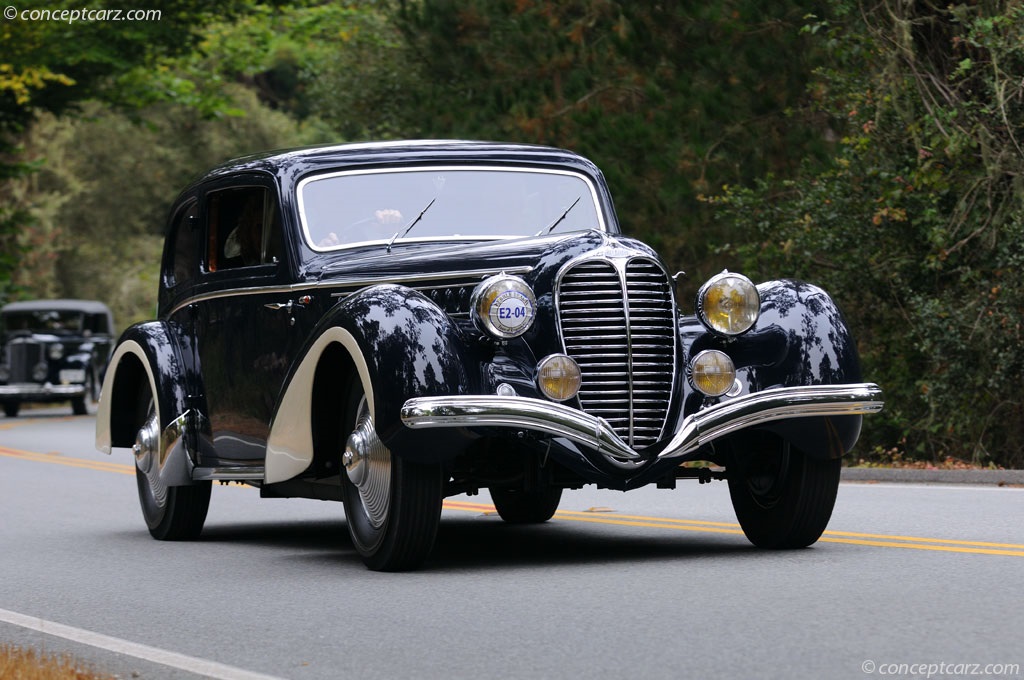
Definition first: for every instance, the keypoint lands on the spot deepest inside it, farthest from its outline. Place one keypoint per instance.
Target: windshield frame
(412, 237)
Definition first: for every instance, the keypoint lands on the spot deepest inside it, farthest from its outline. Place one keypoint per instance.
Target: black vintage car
(389, 324)
(52, 351)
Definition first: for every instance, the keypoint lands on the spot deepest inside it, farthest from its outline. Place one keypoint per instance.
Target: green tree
(53, 59)
(917, 224)
(670, 99)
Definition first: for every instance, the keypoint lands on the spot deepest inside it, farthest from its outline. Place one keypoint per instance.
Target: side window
(182, 252)
(243, 228)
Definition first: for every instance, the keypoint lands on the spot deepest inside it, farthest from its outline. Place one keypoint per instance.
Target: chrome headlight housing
(503, 306)
(55, 351)
(728, 304)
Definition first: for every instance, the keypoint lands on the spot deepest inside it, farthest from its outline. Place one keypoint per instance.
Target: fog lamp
(55, 351)
(503, 306)
(728, 304)
(40, 371)
(712, 372)
(559, 377)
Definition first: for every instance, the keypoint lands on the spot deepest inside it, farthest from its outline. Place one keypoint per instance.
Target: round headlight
(559, 377)
(728, 304)
(712, 372)
(55, 351)
(503, 306)
(40, 372)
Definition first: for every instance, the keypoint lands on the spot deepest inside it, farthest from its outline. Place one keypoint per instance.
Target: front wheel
(392, 505)
(172, 513)
(11, 409)
(783, 498)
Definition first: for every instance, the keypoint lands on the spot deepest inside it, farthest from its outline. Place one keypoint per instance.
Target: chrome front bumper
(35, 391)
(696, 430)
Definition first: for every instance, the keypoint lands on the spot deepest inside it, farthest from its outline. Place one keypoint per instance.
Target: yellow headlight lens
(728, 304)
(559, 377)
(712, 372)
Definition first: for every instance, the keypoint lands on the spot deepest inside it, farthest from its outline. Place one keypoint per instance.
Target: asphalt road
(910, 581)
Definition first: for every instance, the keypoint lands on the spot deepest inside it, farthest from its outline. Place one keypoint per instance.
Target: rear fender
(148, 353)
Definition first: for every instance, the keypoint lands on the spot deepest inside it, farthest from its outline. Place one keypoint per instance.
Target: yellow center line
(61, 459)
(845, 537)
(615, 519)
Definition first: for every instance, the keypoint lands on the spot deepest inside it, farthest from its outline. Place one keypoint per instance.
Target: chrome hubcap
(368, 466)
(146, 450)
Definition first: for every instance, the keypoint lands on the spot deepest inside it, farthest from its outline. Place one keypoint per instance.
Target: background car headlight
(40, 372)
(728, 304)
(559, 377)
(712, 372)
(55, 351)
(503, 306)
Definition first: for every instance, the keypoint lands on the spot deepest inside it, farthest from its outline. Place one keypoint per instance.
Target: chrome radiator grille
(618, 322)
(21, 357)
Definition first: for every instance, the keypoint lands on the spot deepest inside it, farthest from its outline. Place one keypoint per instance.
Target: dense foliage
(870, 146)
(917, 224)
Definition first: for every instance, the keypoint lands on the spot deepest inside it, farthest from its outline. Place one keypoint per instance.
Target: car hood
(530, 254)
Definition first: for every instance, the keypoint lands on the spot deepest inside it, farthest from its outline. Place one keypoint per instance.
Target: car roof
(88, 306)
(293, 163)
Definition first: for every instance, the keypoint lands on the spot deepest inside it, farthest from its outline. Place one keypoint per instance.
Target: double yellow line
(605, 516)
(598, 516)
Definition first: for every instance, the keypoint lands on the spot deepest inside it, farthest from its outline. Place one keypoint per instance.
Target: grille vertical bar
(22, 356)
(618, 323)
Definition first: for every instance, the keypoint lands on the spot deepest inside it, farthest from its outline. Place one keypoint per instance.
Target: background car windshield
(43, 321)
(345, 209)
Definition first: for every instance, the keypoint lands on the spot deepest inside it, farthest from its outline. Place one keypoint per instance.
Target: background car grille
(621, 330)
(21, 357)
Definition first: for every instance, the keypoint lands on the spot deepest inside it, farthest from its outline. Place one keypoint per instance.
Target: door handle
(290, 305)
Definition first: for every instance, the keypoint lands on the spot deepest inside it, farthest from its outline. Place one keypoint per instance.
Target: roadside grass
(17, 663)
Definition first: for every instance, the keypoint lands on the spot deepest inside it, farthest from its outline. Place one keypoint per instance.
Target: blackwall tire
(783, 498)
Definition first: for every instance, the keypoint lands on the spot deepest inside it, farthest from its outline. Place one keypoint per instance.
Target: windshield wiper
(551, 227)
(402, 232)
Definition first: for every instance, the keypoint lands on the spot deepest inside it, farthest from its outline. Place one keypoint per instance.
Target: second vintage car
(53, 351)
(388, 324)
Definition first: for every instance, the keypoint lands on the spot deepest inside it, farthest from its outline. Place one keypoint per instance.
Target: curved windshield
(419, 204)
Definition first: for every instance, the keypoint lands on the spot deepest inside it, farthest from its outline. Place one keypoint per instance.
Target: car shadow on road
(482, 543)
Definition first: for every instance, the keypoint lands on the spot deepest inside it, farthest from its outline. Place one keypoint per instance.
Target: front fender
(401, 345)
(800, 339)
(147, 356)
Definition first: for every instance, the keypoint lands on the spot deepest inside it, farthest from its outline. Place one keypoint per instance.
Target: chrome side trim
(595, 433)
(349, 284)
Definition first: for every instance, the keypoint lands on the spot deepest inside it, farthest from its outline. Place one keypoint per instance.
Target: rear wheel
(11, 409)
(516, 506)
(783, 498)
(172, 513)
(392, 506)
